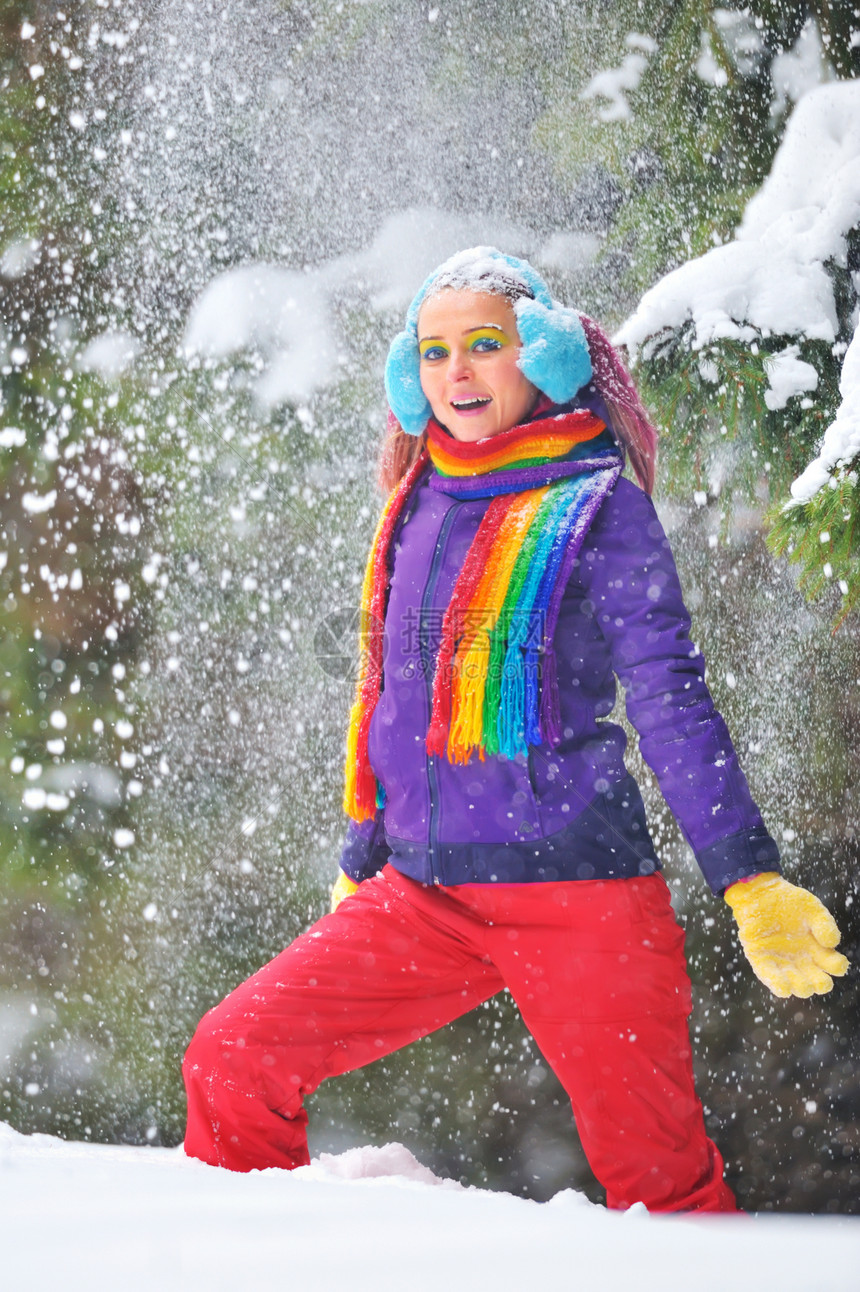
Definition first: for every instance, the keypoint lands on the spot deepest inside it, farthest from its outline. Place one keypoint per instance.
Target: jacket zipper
(427, 665)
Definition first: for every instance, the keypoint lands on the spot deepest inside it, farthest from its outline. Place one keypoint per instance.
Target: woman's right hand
(343, 887)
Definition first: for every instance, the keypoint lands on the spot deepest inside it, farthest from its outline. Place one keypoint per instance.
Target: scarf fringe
(455, 622)
(361, 790)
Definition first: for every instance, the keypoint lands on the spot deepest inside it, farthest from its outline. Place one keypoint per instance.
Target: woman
(496, 838)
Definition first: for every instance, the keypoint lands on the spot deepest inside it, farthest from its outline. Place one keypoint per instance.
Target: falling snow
(213, 229)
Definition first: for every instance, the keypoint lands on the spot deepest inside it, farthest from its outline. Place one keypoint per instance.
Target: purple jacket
(573, 811)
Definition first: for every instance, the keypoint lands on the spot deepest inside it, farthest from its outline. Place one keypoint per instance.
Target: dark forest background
(185, 513)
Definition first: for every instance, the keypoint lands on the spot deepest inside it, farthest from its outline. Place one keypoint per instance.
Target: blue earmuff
(406, 399)
(554, 352)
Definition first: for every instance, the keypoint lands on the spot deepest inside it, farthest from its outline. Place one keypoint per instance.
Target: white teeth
(478, 402)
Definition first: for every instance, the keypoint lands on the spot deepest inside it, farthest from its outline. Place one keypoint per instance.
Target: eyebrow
(480, 327)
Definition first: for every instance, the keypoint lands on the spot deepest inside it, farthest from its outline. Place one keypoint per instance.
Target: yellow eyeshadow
(488, 334)
(424, 346)
(470, 338)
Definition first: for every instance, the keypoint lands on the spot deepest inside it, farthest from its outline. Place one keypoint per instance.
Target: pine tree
(673, 114)
(74, 598)
(689, 122)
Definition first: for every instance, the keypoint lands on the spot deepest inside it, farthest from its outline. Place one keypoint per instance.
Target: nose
(460, 365)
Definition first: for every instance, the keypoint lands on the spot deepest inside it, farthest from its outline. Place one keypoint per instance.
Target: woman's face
(469, 346)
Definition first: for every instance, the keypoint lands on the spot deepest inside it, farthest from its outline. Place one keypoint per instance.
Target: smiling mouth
(470, 405)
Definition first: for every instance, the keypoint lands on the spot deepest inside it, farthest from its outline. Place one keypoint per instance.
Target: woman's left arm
(630, 578)
(628, 573)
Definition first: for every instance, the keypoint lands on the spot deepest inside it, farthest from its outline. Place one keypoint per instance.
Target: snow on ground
(92, 1217)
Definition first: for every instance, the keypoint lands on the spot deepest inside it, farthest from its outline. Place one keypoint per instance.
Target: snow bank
(88, 1217)
(771, 279)
(841, 441)
(291, 317)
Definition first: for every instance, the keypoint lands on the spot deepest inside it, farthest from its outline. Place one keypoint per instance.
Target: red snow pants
(598, 972)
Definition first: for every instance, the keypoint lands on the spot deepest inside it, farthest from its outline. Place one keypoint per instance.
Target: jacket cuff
(364, 851)
(740, 856)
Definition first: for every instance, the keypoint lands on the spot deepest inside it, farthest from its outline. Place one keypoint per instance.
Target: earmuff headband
(554, 353)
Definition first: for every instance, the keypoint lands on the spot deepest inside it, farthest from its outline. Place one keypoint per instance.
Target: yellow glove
(787, 934)
(343, 887)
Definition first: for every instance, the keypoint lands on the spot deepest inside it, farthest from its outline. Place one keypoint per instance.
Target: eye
(484, 344)
(434, 351)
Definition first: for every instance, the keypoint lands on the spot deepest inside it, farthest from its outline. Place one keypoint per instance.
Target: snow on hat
(554, 353)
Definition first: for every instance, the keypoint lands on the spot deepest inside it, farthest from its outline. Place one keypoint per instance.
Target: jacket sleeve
(364, 848)
(629, 576)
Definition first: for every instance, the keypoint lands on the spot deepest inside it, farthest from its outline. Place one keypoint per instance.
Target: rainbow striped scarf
(495, 688)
